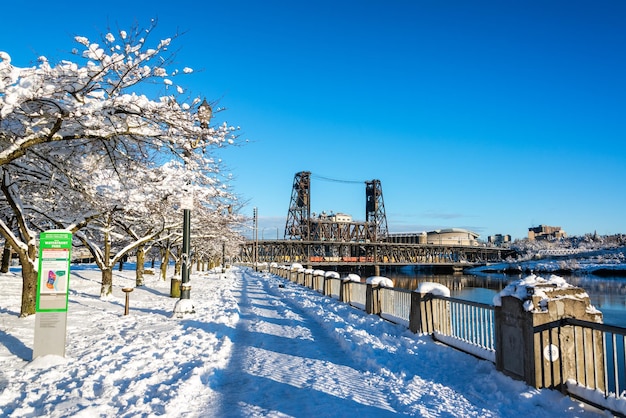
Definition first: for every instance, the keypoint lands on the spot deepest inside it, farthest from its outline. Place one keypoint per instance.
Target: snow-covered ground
(613, 263)
(256, 346)
(605, 261)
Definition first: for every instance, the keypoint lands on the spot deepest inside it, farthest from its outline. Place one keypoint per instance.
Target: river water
(608, 294)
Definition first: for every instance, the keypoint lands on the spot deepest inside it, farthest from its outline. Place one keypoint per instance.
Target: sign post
(52, 290)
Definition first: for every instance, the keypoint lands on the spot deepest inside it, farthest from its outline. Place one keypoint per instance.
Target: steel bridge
(336, 241)
(320, 253)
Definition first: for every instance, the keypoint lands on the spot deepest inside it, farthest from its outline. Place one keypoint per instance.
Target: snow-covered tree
(97, 98)
(103, 106)
(130, 214)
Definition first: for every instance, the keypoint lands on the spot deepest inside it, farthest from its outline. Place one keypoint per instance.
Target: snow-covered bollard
(307, 277)
(345, 289)
(530, 344)
(292, 271)
(433, 289)
(372, 295)
(424, 316)
(379, 281)
(328, 276)
(318, 280)
(183, 307)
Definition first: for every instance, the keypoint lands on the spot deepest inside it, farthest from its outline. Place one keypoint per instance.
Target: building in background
(448, 236)
(545, 232)
(499, 239)
(452, 236)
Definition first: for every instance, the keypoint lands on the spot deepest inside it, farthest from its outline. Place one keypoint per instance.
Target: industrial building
(448, 236)
(545, 232)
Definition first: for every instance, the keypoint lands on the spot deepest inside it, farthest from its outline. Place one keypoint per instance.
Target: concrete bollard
(127, 291)
(372, 299)
(530, 344)
(428, 314)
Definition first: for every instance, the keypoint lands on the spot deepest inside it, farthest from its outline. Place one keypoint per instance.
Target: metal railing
(596, 351)
(599, 355)
(358, 294)
(466, 325)
(395, 305)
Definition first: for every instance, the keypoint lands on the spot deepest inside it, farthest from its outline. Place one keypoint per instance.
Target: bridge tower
(375, 209)
(298, 224)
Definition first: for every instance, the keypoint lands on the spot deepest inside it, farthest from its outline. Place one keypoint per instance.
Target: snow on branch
(106, 93)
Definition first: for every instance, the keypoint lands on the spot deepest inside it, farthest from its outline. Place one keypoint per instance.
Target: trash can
(175, 288)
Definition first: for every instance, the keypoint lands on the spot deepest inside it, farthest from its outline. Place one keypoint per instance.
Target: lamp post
(204, 115)
(223, 257)
(185, 287)
(255, 215)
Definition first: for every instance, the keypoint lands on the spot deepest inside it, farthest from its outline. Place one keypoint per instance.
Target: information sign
(52, 292)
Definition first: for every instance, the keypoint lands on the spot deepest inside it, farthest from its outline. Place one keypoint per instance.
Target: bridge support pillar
(532, 344)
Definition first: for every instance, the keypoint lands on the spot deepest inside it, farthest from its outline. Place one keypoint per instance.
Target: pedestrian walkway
(290, 366)
(297, 353)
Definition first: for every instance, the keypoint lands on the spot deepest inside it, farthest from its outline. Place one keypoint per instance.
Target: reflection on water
(608, 294)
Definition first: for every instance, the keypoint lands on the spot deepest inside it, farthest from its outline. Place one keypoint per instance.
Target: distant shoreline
(553, 267)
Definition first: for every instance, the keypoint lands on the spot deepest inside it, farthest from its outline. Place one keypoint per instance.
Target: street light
(255, 216)
(204, 115)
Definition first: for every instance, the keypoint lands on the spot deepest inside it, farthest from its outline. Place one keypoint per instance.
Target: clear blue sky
(493, 116)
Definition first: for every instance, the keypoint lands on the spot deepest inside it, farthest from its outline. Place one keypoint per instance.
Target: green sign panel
(52, 290)
(54, 271)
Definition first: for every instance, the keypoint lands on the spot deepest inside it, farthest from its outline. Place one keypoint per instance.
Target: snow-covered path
(298, 353)
(281, 355)
(256, 346)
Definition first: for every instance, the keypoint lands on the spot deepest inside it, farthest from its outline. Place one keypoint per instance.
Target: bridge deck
(326, 253)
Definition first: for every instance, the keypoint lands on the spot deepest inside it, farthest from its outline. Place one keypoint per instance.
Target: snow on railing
(470, 326)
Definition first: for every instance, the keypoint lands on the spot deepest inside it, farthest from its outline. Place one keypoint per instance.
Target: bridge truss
(329, 241)
(316, 253)
(301, 226)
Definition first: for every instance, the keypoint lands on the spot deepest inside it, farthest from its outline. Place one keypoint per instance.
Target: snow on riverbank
(599, 267)
(256, 346)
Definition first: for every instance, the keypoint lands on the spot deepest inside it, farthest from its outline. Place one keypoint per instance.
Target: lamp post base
(183, 307)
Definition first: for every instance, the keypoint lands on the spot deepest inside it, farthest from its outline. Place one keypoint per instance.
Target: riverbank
(601, 263)
(552, 267)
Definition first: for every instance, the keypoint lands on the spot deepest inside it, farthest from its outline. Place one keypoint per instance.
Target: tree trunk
(177, 266)
(6, 258)
(29, 287)
(141, 259)
(164, 262)
(106, 288)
